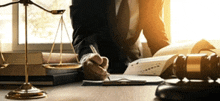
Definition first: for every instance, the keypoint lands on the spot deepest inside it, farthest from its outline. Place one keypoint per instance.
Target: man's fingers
(96, 58)
(95, 68)
(105, 63)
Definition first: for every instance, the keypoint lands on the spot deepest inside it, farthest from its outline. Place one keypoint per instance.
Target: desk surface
(76, 92)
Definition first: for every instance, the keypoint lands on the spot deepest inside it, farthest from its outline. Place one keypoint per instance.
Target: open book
(164, 58)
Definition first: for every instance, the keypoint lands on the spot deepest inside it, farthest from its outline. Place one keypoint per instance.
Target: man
(113, 28)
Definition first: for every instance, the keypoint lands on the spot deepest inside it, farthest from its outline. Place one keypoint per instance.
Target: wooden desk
(76, 92)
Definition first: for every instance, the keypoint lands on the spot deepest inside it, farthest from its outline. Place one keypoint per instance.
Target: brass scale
(27, 90)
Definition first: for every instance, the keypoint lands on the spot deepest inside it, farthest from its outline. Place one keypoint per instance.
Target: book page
(217, 51)
(185, 48)
(150, 66)
(157, 64)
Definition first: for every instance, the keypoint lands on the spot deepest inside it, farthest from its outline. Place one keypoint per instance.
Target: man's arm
(94, 66)
(88, 21)
(152, 24)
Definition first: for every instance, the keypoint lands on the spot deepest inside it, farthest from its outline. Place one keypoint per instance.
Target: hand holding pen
(95, 66)
(94, 51)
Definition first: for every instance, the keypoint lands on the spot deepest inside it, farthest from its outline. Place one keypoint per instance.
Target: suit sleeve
(88, 21)
(152, 24)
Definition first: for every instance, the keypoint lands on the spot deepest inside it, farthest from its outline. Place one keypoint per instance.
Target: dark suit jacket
(94, 22)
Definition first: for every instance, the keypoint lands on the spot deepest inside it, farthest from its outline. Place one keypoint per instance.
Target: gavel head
(196, 66)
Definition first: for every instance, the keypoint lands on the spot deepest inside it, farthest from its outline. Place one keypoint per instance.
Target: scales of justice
(27, 90)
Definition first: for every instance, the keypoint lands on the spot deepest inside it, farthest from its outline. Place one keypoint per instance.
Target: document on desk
(150, 66)
(125, 80)
(138, 73)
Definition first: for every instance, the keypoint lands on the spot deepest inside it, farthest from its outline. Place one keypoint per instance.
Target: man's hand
(95, 66)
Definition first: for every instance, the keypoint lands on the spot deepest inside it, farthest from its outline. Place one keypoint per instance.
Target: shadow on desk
(8, 87)
(76, 92)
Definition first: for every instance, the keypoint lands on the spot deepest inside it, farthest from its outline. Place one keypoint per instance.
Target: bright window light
(42, 26)
(6, 22)
(194, 20)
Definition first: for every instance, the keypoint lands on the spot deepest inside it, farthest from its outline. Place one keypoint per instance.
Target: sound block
(188, 90)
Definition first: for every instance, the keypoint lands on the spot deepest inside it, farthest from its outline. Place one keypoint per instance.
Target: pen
(94, 51)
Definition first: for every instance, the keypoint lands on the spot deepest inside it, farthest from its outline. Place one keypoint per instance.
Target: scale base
(181, 90)
(26, 91)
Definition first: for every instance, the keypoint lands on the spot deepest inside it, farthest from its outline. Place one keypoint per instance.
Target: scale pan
(2, 66)
(62, 66)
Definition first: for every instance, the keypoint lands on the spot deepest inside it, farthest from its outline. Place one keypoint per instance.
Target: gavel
(196, 66)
